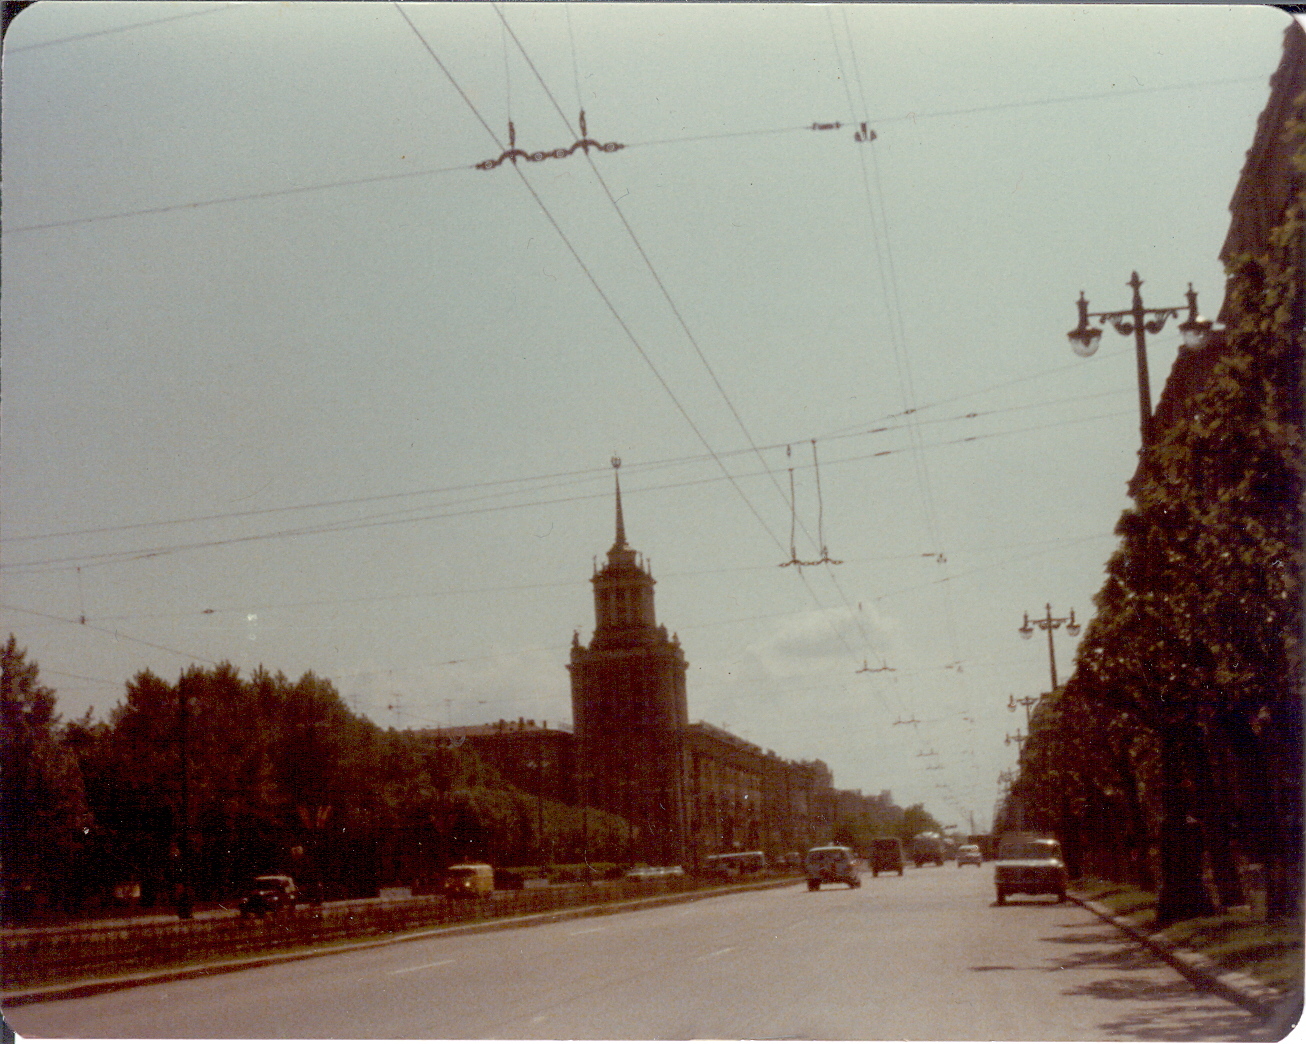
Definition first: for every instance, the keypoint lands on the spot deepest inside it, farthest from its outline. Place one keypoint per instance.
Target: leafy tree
(42, 804)
(915, 820)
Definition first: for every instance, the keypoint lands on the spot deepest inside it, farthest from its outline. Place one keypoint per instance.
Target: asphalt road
(927, 956)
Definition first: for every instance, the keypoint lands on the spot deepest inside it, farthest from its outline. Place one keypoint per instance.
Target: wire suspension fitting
(825, 558)
(513, 153)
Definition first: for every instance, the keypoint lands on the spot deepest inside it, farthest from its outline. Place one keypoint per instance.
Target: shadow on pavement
(1208, 1021)
(1175, 1009)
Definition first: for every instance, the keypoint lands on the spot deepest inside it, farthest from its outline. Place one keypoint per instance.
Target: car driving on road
(970, 855)
(885, 854)
(1029, 865)
(831, 864)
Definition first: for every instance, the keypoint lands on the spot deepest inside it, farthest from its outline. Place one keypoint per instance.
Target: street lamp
(1050, 623)
(1028, 701)
(1084, 338)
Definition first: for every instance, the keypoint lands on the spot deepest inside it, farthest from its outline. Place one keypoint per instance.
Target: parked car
(885, 854)
(1029, 865)
(831, 864)
(268, 896)
(731, 865)
(650, 873)
(467, 880)
(970, 855)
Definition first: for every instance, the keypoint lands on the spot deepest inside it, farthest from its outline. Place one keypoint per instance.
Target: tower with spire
(629, 707)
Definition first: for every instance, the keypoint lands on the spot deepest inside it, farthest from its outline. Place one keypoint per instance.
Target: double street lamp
(1084, 338)
(1050, 623)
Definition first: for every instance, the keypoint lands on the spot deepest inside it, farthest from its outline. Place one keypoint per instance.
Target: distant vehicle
(647, 873)
(926, 848)
(970, 855)
(831, 864)
(1029, 865)
(467, 880)
(731, 865)
(268, 896)
(885, 854)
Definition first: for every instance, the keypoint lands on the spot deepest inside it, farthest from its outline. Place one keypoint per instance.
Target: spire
(621, 524)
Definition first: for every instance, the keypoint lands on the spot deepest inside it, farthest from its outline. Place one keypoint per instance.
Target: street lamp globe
(1084, 342)
(1196, 332)
(1084, 338)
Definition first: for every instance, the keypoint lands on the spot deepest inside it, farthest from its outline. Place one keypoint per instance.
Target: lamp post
(1084, 338)
(1027, 702)
(1050, 623)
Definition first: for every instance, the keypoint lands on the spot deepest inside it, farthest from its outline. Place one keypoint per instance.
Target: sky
(288, 381)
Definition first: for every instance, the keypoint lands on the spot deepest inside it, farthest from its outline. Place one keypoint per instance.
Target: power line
(115, 557)
(245, 198)
(594, 283)
(578, 474)
(9, 51)
(113, 634)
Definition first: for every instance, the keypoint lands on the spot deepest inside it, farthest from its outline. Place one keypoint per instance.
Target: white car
(831, 864)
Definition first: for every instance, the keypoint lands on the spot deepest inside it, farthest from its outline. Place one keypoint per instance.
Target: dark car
(970, 855)
(927, 848)
(268, 896)
(885, 854)
(1029, 865)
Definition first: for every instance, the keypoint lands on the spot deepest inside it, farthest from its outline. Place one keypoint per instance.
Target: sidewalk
(1282, 1011)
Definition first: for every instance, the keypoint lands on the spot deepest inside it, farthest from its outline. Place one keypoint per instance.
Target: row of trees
(194, 786)
(889, 821)
(1173, 755)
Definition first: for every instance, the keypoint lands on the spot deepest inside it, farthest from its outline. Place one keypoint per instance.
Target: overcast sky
(289, 381)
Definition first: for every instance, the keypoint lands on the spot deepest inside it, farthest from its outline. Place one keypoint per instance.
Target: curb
(1240, 988)
(91, 987)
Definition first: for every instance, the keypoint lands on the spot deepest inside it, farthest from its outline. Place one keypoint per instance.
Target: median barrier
(47, 956)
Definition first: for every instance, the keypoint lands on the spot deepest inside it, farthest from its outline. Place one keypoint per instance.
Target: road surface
(926, 956)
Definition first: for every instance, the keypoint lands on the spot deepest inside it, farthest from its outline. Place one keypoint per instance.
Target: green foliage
(1184, 712)
(42, 804)
(915, 820)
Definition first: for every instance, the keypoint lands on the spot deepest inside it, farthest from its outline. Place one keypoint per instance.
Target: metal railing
(47, 956)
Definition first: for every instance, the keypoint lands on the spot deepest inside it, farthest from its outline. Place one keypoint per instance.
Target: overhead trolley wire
(115, 557)
(20, 48)
(671, 302)
(112, 633)
(593, 281)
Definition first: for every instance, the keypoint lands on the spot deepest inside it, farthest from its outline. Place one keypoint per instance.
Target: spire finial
(621, 524)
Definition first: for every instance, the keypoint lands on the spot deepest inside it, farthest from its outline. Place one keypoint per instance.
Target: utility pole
(185, 907)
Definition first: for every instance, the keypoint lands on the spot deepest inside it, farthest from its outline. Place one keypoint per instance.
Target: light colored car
(467, 880)
(831, 864)
(970, 855)
(1029, 865)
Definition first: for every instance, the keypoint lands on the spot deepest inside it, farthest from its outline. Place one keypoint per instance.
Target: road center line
(715, 953)
(588, 931)
(420, 967)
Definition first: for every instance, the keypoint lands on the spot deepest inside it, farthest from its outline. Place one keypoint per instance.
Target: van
(885, 854)
(830, 864)
(467, 880)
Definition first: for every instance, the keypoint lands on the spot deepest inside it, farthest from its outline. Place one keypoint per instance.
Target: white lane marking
(420, 967)
(588, 931)
(715, 953)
